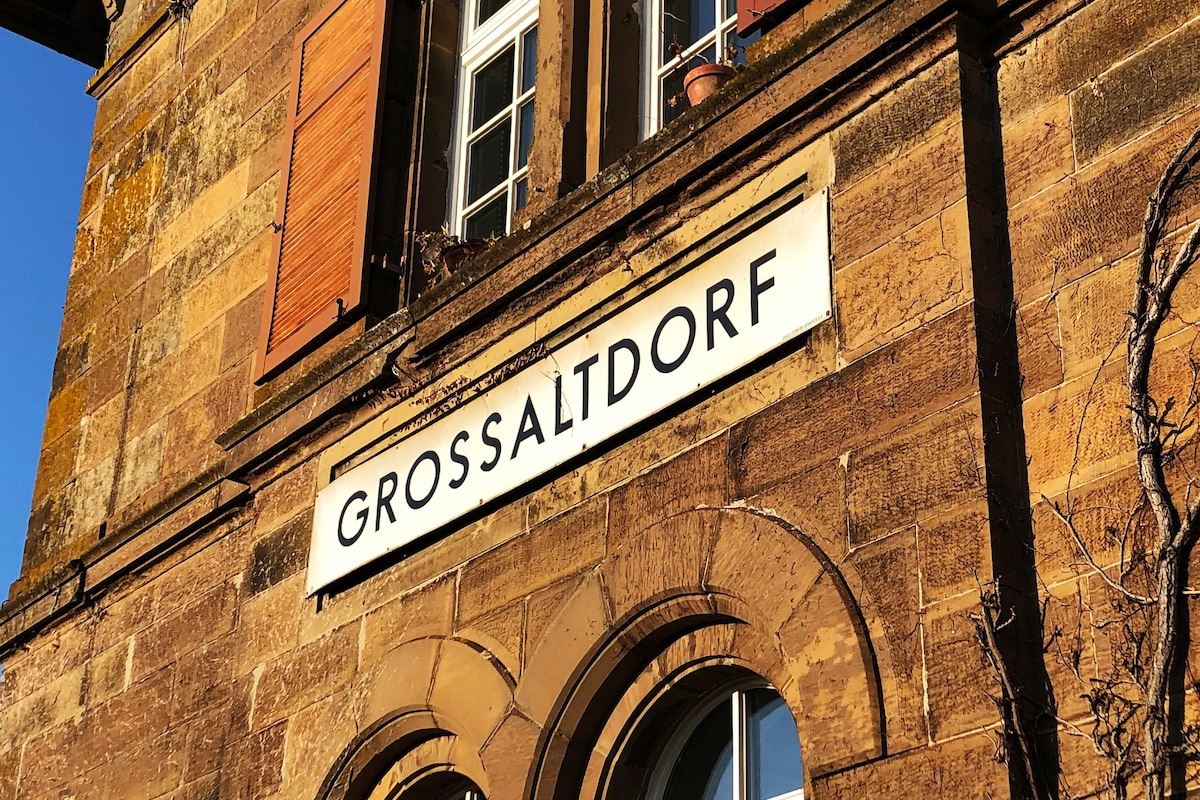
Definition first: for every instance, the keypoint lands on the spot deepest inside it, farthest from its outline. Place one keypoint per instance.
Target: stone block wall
(825, 521)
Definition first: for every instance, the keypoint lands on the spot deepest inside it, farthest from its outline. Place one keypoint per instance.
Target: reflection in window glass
(487, 9)
(746, 747)
(493, 88)
(772, 746)
(704, 768)
(488, 159)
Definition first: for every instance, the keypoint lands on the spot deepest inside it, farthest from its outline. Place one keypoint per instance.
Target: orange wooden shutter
(751, 13)
(319, 274)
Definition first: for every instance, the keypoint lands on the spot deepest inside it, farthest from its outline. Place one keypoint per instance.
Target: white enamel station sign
(738, 304)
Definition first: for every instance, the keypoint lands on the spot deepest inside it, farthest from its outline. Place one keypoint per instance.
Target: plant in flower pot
(441, 252)
(706, 79)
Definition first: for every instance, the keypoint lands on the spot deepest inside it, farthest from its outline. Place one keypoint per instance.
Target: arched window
(742, 745)
(716, 734)
(438, 785)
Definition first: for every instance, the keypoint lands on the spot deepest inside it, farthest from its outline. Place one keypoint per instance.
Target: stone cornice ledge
(139, 545)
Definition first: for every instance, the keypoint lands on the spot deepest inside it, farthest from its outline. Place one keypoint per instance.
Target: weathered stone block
(267, 623)
(557, 548)
(315, 737)
(955, 552)
(229, 283)
(239, 339)
(56, 465)
(210, 616)
(815, 502)
(1082, 46)
(1038, 151)
(130, 718)
(253, 768)
(953, 660)
(108, 673)
(903, 284)
(784, 568)
(833, 675)
(204, 679)
(278, 555)
(699, 476)
(1038, 342)
(52, 704)
(910, 189)
(867, 399)
(899, 121)
(476, 714)
(1077, 226)
(913, 473)
(426, 612)
(1077, 431)
(281, 499)
(1138, 94)
(302, 676)
(501, 634)
(886, 575)
(667, 558)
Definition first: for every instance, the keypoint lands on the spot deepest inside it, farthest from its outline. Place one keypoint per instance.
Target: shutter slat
(325, 195)
(751, 13)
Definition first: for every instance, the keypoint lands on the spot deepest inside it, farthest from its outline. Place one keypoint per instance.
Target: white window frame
(478, 45)
(654, 70)
(740, 716)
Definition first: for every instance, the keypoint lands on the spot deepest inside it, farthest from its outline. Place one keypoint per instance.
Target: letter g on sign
(346, 541)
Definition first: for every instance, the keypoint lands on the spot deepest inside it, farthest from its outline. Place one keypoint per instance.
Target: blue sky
(45, 131)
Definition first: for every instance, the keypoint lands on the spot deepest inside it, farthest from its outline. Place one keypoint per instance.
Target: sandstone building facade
(229, 589)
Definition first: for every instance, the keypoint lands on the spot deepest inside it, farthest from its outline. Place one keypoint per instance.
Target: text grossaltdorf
(735, 306)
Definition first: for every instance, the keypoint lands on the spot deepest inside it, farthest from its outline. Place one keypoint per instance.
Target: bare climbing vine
(1133, 714)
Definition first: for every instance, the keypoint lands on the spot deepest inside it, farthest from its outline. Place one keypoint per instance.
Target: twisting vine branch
(1129, 705)
(1158, 275)
(991, 619)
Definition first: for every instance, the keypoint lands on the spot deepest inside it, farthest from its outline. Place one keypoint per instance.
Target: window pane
(674, 101)
(528, 60)
(487, 161)
(491, 220)
(487, 8)
(493, 88)
(522, 194)
(525, 134)
(738, 45)
(686, 22)
(773, 746)
(704, 769)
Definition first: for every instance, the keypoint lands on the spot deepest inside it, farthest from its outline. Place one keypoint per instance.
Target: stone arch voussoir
(792, 620)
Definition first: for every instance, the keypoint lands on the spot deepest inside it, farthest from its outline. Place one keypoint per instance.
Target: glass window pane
(522, 194)
(528, 59)
(487, 8)
(738, 45)
(493, 88)
(491, 220)
(772, 747)
(704, 769)
(674, 101)
(488, 160)
(685, 22)
(525, 134)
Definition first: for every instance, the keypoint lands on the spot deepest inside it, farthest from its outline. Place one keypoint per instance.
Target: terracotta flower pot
(705, 80)
(455, 254)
